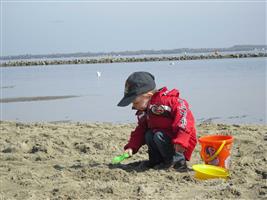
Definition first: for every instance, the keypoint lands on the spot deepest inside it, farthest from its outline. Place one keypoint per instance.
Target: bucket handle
(216, 153)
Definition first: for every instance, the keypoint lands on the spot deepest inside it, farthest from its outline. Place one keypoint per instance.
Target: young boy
(165, 123)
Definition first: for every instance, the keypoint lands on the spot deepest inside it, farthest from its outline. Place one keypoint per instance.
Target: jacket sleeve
(137, 138)
(180, 126)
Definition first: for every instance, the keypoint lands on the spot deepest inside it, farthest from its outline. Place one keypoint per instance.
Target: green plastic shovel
(120, 158)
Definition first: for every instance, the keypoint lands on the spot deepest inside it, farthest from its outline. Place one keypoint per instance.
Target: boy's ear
(149, 94)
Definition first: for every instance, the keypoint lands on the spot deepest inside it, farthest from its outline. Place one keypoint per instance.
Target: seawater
(220, 90)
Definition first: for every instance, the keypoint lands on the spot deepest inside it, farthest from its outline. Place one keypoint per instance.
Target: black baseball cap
(137, 83)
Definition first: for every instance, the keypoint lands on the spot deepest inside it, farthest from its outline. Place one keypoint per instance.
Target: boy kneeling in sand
(165, 123)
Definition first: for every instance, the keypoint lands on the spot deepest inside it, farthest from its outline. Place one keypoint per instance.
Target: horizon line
(131, 51)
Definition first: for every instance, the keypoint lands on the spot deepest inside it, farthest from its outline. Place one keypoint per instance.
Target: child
(165, 123)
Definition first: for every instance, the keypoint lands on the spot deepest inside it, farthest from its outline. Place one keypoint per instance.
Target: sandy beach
(72, 161)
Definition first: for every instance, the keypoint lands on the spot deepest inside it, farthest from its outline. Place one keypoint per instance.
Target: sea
(231, 91)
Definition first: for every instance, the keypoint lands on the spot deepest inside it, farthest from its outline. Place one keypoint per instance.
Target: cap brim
(126, 100)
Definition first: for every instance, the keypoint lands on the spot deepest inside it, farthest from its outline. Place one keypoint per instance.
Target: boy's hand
(129, 151)
(178, 148)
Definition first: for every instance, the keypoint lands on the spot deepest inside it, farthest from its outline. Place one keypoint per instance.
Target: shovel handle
(120, 158)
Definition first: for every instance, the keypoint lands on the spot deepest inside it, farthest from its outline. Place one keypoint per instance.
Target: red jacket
(170, 114)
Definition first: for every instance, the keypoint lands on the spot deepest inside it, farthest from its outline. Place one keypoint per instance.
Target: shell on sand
(72, 161)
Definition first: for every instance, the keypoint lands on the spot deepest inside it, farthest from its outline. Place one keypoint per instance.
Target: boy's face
(141, 101)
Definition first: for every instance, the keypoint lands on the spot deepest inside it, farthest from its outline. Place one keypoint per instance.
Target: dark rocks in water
(210, 120)
(128, 59)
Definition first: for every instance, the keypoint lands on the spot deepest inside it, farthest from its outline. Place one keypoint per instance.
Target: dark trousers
(160, 148)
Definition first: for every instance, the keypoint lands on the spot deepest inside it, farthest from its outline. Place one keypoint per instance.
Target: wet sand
(36, 98)
(72, 161)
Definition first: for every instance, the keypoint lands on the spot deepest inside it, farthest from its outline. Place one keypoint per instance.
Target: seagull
(98, 74)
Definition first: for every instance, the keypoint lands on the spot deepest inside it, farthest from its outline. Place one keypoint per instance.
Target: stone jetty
(89, 60)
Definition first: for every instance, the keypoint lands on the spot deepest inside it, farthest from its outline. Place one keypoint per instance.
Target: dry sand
(72, 161)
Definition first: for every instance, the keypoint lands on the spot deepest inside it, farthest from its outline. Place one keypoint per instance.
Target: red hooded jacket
(168, 113)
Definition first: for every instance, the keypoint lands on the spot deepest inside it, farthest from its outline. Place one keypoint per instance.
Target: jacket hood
(165, 92)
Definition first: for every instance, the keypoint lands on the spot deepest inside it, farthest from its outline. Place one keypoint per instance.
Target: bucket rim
(203, 169)
(207, 139)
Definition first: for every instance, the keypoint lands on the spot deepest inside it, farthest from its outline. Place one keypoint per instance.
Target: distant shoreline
(130, 59)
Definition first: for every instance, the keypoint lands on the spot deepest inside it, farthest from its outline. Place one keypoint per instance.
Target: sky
(46, 27)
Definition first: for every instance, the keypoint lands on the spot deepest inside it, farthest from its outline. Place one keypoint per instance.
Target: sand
(35, 98)
(72, 161)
